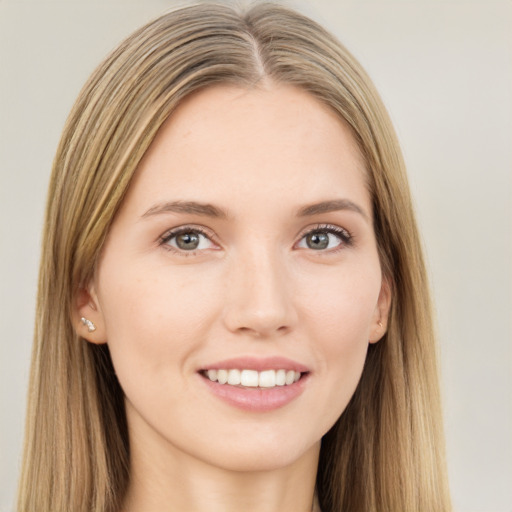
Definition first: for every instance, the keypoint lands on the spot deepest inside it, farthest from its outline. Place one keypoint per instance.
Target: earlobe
(90, 325)
(88, 318)
(381, 317)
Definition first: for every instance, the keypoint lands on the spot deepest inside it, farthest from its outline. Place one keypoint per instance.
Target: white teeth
(253, 379)
(249, 378)
(267, 379)
(234, 377)
(290, 377)
(281, 377)
(222, 376)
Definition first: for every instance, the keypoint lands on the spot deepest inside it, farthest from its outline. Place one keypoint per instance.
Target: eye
(187, 239)
(324, 238)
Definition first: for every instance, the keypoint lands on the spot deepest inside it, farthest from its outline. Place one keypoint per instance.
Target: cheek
(339, 321)
(154, 319)
(341, 305)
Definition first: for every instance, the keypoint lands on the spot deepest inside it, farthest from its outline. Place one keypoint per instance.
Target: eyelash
(169, 235)
(345, 237)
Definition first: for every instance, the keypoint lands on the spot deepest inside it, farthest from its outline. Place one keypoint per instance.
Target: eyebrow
(209, 210)
(333, 205)
(190, 207)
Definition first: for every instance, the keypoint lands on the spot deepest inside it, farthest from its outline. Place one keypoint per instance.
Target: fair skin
(257, 274)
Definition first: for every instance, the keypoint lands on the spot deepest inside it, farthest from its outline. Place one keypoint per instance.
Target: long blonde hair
(386, 452)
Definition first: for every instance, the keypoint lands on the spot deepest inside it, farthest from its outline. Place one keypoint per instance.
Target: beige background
(444, 69)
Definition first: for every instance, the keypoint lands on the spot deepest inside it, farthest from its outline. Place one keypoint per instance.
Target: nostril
(263, 331)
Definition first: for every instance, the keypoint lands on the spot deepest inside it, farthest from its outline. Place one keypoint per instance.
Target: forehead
(226, 142)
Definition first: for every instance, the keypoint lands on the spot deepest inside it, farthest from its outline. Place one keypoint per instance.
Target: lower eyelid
(340, 245)
(172, 234)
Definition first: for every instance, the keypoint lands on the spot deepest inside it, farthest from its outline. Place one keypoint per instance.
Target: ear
(87, 316)
(381, 316)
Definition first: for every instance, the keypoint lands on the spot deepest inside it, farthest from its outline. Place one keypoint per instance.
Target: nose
(259, 296)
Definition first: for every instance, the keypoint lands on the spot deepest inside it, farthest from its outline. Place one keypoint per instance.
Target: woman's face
(245, 251)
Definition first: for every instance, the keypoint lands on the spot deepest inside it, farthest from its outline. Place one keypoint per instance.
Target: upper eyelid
(324, 227)
(169, 233)
(164, 239)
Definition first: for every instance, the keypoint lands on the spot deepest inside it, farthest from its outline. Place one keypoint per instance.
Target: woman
(233, 310)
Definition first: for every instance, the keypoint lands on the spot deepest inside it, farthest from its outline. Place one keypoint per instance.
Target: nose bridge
(260, 301)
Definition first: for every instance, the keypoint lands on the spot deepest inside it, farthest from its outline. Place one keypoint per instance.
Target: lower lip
(257, 399)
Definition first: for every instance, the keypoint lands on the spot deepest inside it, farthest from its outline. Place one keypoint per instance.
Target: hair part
(386, 452)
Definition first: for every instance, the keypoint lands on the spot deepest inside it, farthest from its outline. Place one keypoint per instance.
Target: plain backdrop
(444, 69)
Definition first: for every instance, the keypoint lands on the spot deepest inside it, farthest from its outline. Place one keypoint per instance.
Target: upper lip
(258, 364)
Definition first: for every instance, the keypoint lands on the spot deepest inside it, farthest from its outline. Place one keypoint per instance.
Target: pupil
(187, 241)
(318, 241)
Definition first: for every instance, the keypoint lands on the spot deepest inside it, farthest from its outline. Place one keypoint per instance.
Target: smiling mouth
(252, 378)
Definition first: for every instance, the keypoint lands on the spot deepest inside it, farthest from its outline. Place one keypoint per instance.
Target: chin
(261, 454)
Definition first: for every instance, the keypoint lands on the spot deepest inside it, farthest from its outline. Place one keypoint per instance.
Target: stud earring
(90, 326)
(380, 324)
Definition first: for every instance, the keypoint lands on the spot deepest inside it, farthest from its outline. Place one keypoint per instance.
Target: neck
(164, 480)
